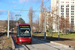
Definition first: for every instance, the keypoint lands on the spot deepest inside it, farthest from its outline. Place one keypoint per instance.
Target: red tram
(22, 34)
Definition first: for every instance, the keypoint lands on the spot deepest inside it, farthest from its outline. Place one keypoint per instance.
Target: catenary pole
(8, 25)
(45, 24)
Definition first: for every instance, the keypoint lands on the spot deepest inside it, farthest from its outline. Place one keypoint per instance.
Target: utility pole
(58, 29)
(45, 24)
(8, 25)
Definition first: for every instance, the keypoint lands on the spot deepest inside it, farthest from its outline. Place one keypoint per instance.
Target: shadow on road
(52, 38)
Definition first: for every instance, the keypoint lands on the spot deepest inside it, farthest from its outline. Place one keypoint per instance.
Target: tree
(21, 21)
(64, 24)
(42, 16)
(11, 25)
(42, 5)
(5, 25)
(30, 14)
(51, 19)
(37, 25)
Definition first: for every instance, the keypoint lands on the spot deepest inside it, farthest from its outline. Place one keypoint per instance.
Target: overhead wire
(22, 7)
(45, 3)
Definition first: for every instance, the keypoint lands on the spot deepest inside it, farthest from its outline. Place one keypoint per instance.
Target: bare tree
(64, 24)
(50, 22)
(5, 25)
(41, 25)
(12, 25)
(37, 25)
(30, 16)
(52, 19)
(42, 5)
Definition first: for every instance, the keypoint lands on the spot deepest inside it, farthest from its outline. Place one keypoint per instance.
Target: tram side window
(17, 31)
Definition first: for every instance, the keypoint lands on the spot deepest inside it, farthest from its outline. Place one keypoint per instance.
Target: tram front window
(25, 32)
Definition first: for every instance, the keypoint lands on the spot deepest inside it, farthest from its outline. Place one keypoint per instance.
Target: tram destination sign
(24, 26)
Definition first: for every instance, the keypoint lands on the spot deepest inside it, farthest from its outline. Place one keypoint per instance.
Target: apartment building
(66, 8)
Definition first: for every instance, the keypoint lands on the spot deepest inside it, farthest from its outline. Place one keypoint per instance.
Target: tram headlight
(20, 40)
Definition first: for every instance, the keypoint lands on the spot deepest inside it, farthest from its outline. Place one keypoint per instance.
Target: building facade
(66, 8)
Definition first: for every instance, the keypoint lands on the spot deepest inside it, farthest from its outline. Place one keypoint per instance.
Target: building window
(62, 14)
(67, 5)
(62, 6)
(72, 12)
(67, 14)
(72, 2)
(67, 11)
(72, 24)
(62, 9)
(67, 8)
(72, 6)
(72, 16)
(72, 19)
(67, 2)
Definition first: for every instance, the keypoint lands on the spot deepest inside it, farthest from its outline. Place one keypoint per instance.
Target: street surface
(40, 45)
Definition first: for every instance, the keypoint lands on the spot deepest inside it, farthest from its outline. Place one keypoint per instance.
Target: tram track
(35, 46)
(26, 47)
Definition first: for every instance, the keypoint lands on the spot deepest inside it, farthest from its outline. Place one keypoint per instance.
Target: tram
(22, 34)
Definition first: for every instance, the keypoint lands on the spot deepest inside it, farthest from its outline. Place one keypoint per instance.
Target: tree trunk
(51, 31)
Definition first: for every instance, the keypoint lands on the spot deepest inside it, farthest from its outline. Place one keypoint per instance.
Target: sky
(15, 6)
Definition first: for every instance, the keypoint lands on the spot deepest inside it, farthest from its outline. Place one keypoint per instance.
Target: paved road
(40, 45)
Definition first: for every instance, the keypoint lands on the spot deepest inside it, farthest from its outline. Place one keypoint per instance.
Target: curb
(13, 45)
(63, 45)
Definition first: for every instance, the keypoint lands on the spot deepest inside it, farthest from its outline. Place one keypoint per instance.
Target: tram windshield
(24, 31)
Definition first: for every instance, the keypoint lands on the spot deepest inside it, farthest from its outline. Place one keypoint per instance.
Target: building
(66, 8)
